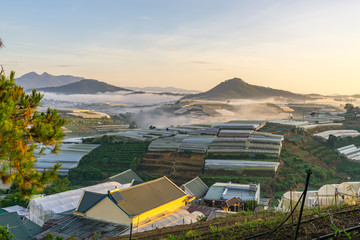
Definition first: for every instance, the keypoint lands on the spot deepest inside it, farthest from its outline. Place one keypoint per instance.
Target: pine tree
(22, 130)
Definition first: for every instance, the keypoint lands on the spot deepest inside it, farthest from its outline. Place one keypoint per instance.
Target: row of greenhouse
(327, 195)
(351, 152)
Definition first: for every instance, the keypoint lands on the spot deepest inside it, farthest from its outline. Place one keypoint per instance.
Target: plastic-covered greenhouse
(43, 208)
(327, 195)
(241, 165)
(338, 133)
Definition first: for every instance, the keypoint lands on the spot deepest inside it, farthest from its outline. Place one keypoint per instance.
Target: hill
(33, 80)
(85, 86)
(238, 89)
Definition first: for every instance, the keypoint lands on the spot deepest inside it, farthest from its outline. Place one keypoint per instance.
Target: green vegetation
(337, 142)
(293, 173)
(5, 233)
(22, 129)
(85, 126)
(107, 160)
(59, 185)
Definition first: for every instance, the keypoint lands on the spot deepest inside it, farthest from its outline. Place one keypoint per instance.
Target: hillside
(85, 86)
(33, 80)
(238, 89)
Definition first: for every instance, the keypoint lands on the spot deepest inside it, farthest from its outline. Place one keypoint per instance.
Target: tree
(22, 130)
(5, 233)
(349, 108)
(58, 186)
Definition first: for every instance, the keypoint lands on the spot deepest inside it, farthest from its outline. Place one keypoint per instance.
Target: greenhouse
(293, 196)
(241, 165)
(147, 134)
(235, 133)
(337, 133)
(351, 152)
(195, 144)
(349, 191)
(327, 195)
(169, 144)
(43, 208)
(68, 157)
(238, 126)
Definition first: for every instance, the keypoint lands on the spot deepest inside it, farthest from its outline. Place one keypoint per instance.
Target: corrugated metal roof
(17, 227)
(149, 195)
(126, 177)
(67, 225)
(196, 187)
(88, 200)
(214, 193)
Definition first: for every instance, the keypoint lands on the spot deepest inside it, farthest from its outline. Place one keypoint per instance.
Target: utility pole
(292, 217)
(303, 202)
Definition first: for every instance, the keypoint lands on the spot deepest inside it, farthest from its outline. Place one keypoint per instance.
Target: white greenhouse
(241, 165)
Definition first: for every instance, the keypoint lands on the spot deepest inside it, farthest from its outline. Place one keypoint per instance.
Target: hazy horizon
(300, 46)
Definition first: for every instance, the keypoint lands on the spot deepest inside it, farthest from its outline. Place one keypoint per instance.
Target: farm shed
(43, 208)
(195, 187)
(135, 205)
(128, 176)
(20, 229)
(241, 165)
(220, 192)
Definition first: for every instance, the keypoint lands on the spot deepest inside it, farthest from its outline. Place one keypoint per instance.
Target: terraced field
(179, 167)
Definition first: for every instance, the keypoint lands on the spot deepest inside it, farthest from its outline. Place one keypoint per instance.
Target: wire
(284, 220)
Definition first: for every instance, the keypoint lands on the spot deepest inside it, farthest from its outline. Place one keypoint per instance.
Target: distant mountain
(33, 80)
(85, 86)
(238, 89)
(164, 89)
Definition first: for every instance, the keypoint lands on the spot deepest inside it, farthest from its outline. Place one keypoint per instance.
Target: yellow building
(137, 204)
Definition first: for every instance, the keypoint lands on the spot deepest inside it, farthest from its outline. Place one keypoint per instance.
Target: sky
(302, 46)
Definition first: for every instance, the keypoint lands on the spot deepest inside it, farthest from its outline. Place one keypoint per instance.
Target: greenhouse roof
(196, 187)
(126, 177)
(225, 191)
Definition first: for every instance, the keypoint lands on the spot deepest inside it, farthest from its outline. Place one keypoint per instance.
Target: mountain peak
(84, 86)
(237, 88)
(30, 75)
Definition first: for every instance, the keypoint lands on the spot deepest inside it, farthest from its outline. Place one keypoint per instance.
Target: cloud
(64, 65)
(220, 69)
(114, 97)
(201, 62)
